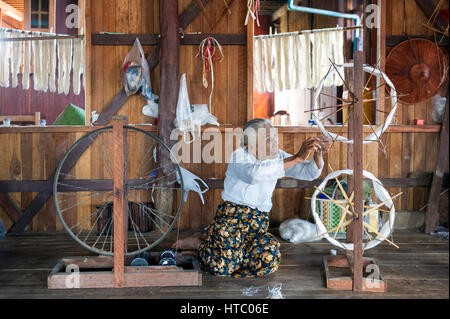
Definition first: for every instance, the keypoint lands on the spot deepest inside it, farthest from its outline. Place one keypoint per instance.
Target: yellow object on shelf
(367, 108)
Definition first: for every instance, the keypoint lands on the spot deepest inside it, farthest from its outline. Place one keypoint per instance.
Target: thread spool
(167, 258)
(140, 260)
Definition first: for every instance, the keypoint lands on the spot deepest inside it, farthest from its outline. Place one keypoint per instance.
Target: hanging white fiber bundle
(40, 67)
(4, 59)
(16, 58)
(64, 66)
(50, 49)
(26, 63)
(290, 61)
(78, 64)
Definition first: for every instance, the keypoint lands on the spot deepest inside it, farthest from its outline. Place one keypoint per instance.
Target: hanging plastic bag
(136, 72)
(152, 107)
(437, 113)
(190, 184)
(184, 120)
(202, 116)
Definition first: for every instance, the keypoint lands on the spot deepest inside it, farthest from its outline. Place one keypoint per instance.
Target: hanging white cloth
(65, 65)
(78, 64)
(16, 58)
(4, 59)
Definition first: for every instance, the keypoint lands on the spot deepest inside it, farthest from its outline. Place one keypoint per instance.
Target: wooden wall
(142, 16)
(34, 154)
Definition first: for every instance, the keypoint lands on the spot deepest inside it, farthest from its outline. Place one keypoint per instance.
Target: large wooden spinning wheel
(84, 199)
(418, 68)
(320, 114)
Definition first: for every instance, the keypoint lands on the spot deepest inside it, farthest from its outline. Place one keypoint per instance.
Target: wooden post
(250, 49)
(381, 55)
(357, 224)
(442, 162)
(120, 217)
(170, 69)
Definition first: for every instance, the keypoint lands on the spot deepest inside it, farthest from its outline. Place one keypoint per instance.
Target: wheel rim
(77, 196)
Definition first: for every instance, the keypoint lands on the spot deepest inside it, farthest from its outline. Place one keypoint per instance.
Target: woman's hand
(312, 144)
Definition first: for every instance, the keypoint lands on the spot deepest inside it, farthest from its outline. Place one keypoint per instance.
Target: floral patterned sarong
(237, 243)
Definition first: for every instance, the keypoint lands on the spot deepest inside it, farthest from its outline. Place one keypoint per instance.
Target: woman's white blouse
(251, 182)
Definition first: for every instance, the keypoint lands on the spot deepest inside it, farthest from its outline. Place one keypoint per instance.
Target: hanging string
(207, 50)
(253, 11)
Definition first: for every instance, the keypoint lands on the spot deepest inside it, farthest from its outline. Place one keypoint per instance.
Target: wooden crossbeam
(154, 39)
(105, 185)
(394, 40)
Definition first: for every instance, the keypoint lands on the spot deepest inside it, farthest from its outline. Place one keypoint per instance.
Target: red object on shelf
(444, 14)
(419, 122)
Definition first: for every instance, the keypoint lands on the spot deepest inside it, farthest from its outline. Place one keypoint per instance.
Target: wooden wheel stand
(115, 272)
(353, 271)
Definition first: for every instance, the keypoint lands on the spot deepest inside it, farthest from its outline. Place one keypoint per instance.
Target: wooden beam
(428, 8)
(381, 56)
(250, 50)
(442, 162)
(10, 208)
(8, 10)
(107, 185)
(154, 39)
(168, 97)
(394, 40)
(279, 13)
(357, 225)
(170, 69)
(120, 217)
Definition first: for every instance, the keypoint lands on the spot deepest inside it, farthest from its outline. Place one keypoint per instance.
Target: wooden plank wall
(34, 155)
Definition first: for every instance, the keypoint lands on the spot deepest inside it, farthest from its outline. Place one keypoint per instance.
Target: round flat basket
(418, 68)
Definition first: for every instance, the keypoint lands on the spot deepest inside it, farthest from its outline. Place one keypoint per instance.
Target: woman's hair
(250, 133)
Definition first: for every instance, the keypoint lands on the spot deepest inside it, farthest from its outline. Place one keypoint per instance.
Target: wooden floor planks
(419, 269)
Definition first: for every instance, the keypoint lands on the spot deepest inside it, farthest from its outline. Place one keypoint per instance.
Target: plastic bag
(437, 114)
(152, 107)
(184, 120)
(298, 231)
(136, 72)
(202, 116)
(190, 184)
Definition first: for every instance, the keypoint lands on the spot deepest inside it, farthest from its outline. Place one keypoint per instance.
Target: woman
(237, 243)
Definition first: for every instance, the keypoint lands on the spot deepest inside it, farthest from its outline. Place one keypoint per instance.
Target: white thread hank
(251, 291)
(275, 292)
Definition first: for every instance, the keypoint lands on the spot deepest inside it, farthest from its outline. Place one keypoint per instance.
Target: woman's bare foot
(190, 243)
